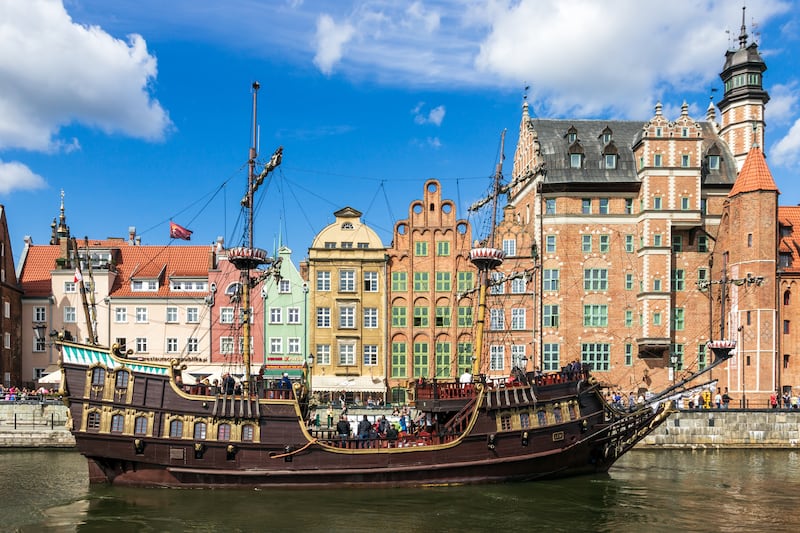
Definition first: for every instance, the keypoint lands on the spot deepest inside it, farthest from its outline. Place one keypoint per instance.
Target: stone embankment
(34, 424)
(731, 428)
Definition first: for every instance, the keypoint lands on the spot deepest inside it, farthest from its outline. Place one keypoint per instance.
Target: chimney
(131, 235)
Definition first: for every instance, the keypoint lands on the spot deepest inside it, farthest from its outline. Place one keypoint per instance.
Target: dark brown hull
(585, 436)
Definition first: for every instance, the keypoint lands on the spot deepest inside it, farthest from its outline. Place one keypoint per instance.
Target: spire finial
(743, 32)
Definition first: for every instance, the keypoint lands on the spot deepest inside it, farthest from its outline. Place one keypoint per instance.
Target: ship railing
(443, 390)
(269, 393)
(410, 440)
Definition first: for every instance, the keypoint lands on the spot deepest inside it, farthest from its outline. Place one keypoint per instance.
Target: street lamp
(310, 363)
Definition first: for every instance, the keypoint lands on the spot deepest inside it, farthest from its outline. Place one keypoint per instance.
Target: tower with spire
(744, 98)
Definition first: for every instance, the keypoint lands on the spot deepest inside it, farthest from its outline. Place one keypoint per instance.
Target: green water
(736, 490)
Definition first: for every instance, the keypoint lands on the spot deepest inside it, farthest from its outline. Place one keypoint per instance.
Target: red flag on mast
(179, 232)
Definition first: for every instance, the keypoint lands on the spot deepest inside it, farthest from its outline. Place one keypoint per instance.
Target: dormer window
(611, 161)
(610, 155)
(713, 162)
(145, 285)
(572, 134)
(575, 155)
(606, 135)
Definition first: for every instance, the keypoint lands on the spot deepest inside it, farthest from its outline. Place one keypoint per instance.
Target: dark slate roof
(554, 146)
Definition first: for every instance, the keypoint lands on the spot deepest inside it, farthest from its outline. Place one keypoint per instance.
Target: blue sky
(140, 110)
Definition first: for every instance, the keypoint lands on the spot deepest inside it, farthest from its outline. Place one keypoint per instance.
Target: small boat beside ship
(138, 425)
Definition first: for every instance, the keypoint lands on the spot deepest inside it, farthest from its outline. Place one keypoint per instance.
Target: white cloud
(16, 176)
(331, 38)
(54, 72)
(782, 105)
(435, 116)
(786, 152)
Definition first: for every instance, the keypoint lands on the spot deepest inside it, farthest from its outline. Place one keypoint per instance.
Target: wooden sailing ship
(137, 425)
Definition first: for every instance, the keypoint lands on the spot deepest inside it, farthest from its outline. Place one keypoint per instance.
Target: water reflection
(746, 490)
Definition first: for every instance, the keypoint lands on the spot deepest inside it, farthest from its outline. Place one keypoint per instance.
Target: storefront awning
(347, 383)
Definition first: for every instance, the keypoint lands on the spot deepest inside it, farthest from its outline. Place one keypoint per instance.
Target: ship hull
(144, 430)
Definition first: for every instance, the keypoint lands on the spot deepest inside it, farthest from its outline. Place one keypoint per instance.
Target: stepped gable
(755, 175)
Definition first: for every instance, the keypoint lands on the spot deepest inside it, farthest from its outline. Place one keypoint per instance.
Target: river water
(652, 491)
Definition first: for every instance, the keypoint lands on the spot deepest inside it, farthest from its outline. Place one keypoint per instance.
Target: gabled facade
(347, 305)
(431, 293)
(11, 309)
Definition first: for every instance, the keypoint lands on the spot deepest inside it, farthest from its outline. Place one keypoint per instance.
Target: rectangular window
(551, 357)
(443, 282)
(294, 345)
(276, 315)
(678, 277)
(172, 314)
(586, 243)
(370, 317)
(275, 345)
(39, 314)
(192, 345)
(442, 362)
(685, 160)
(293, 315)
(657, 160)
(464, 282)
(420, 359)
(656, 285)
(628, 281)
(370, 355)
(347, 317)
(323, 281)
(628, 206)
(284, 287)
(603, 209)
(713, 162)
(399, 316)
(677, 243)
(677, 319)
(421, 317)
(399, 360)
(550, 244)
(677, 351)
(141, 344)
(657, 239)
(595, 279)
(517, 318)
(629, 244)
(497, 357)
(347, 354)
(443, 248)
(192, 315)
(70, 287)
(702, 243)
(657, 203)
(510, 247)
(550, 279)
(226, 315)
(497, 320)
(597, 356)
(121, 314)
(225, 345)
(701, 356)
(595, 315)
(611, 161)
(370, 282)
(657, 318)
(575, 160)
(442, 317)
(704, 206)
(628, 354)
(550, 206)
(786, 327)
(420, 281)
(323, 354)
(323, 317)
(550, 316)
(399, 281)
(497, 284)
(464, 356)
(605, 242)
(518, 285)
(465, 317)
(141, 315)
(518, 357)
(421, 248)
(685, 203)
(628, 318)
(347, 281)
(586, 206)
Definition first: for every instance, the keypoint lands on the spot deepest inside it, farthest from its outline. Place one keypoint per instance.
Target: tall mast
(487, 258)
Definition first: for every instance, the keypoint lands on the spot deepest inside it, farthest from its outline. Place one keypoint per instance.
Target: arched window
(200, 430)
(122, 379)
(140, 425)
(98, 377)
(224, 432)
(117, 423)
(176, 428)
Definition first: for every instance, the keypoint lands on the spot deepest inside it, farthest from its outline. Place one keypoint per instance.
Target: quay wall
(727, 428)
(34, 425)
(43, 425)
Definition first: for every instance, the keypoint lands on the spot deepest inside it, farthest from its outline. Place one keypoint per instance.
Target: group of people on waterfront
(15, 394)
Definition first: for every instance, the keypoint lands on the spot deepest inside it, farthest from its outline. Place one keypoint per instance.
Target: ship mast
(486, 258)
(247, 258)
